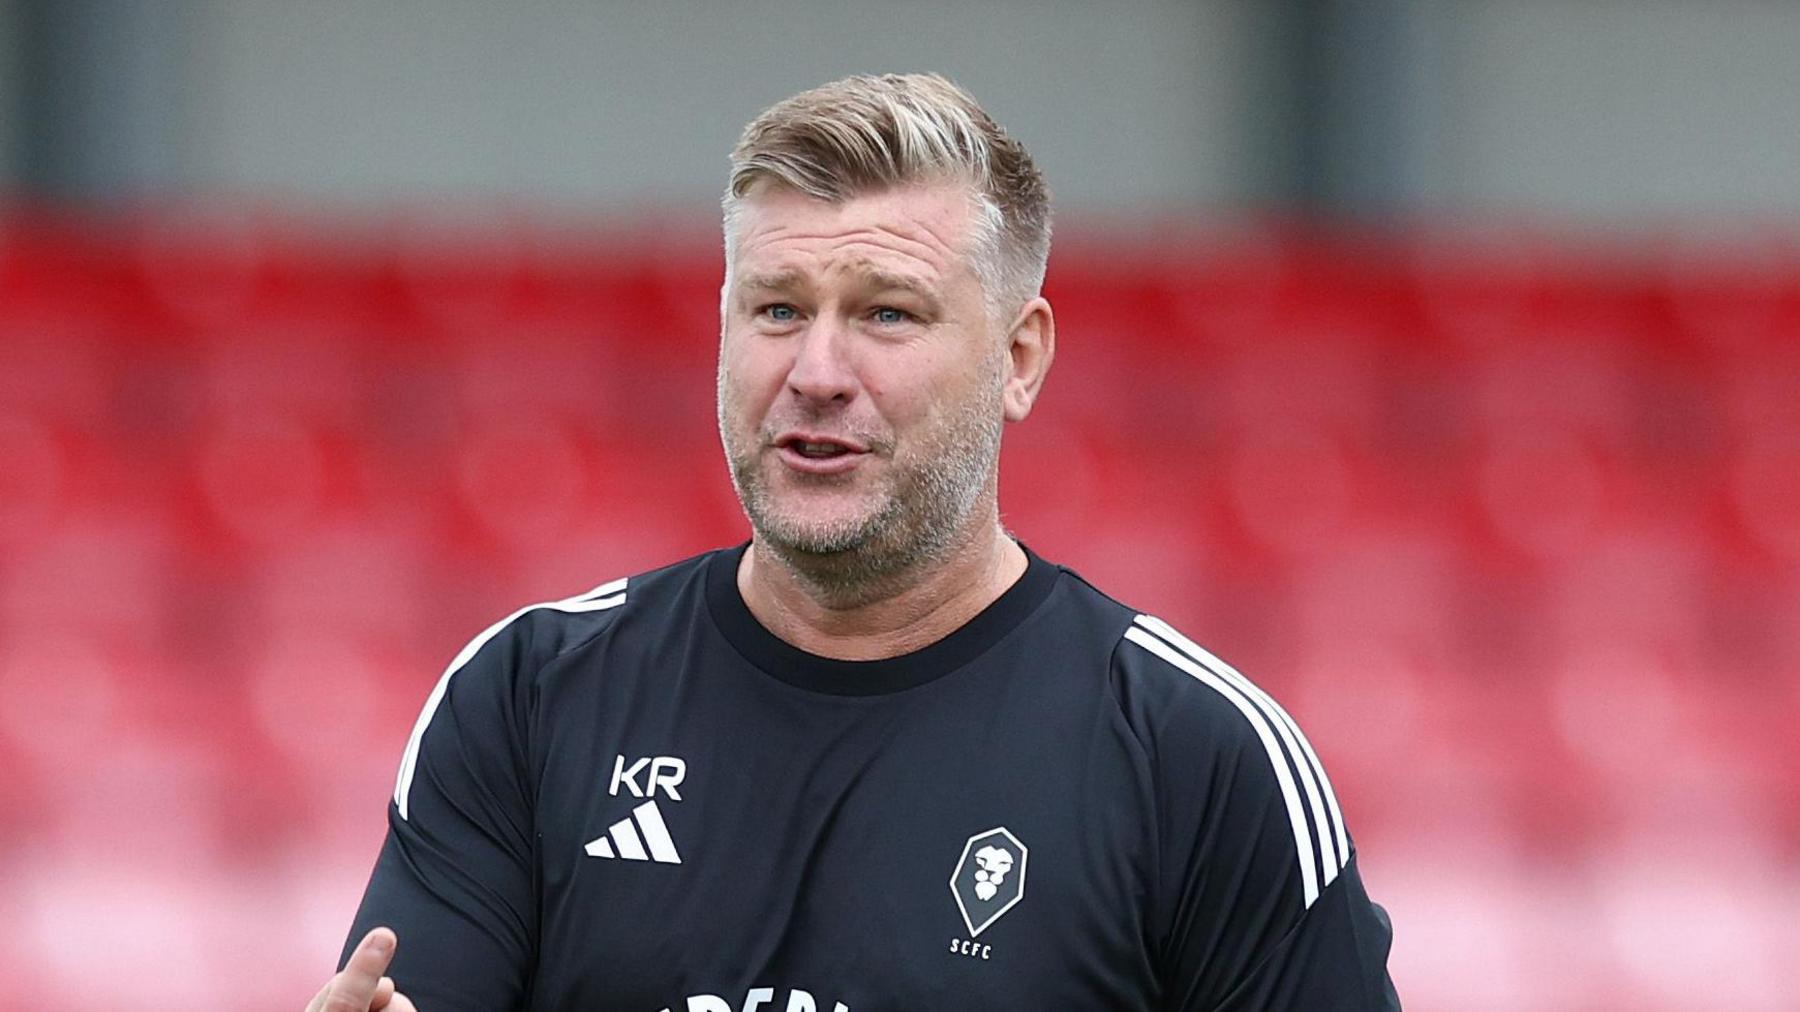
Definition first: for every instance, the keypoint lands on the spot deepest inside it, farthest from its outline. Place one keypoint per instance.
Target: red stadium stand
(1511, 524)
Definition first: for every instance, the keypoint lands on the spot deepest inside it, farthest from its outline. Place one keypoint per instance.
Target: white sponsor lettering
(627, 776)
(666, 771)
(798, 1001)
(971, 948)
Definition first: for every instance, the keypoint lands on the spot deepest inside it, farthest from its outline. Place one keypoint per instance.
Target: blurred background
(1436, 363)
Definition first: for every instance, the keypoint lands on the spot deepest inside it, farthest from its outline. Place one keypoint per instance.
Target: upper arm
(1259, 903)
(455, 876)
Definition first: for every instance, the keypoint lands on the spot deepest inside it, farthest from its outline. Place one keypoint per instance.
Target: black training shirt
(640, 799)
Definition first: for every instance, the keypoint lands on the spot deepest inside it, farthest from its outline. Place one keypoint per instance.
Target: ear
(1030, 346)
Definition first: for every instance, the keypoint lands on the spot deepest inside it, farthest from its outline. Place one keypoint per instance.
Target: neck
(906, 611)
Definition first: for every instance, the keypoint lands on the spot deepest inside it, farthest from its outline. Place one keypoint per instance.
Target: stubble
(921, 515)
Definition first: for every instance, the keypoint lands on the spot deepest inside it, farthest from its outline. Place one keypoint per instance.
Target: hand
(361, 986)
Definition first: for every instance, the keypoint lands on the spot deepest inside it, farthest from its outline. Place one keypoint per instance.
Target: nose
(822, 371)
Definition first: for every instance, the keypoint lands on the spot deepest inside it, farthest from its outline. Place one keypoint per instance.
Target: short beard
(924, 520)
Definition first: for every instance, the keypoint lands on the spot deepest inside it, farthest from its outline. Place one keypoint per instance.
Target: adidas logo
(623, 841)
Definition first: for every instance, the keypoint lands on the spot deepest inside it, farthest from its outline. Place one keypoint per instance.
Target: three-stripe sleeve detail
(1312, 771)
(1321, 846)
(601, 598)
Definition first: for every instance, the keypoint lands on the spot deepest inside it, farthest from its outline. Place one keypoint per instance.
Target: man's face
(859, 381)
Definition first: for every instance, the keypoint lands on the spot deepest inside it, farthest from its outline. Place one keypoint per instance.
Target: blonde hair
(866, 134)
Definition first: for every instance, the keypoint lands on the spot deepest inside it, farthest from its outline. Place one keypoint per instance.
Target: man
(882, 757)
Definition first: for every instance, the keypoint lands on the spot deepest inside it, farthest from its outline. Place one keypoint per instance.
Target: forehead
(919, 229)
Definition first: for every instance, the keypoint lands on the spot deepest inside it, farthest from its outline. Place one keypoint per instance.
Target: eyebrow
(884, 280)
(877, 278)
(778, 280)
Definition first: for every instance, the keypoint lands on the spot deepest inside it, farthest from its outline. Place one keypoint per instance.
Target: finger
(401, 1003)
(362, 974)
(384, 993)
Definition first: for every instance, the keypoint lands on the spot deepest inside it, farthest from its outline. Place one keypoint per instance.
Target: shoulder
(1158, 673)
(1182, 703)
(1243, 756)
(1196, 708)
(1178, 680)
(533, 635)
(538, 632)
(491, 676)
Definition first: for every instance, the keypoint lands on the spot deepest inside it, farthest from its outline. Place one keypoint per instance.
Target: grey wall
(10, 169)
(1613, 109)
(624, 102)
(1592, 109)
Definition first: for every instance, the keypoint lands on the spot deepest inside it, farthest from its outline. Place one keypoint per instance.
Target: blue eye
(888, 314)
(781, 312)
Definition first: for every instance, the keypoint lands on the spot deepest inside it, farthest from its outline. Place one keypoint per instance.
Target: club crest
(989, 879)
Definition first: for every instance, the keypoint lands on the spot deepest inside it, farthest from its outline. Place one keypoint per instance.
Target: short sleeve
(1260, 903)
(455, 876)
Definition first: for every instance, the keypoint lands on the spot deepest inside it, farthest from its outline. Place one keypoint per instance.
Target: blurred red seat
(266, 477)
(1732, 294)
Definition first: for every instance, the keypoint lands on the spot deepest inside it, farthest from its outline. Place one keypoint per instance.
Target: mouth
(816, 453)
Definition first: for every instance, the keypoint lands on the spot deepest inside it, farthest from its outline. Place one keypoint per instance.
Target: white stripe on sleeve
(1309, 766)
(607, 595)
(1304, 850)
